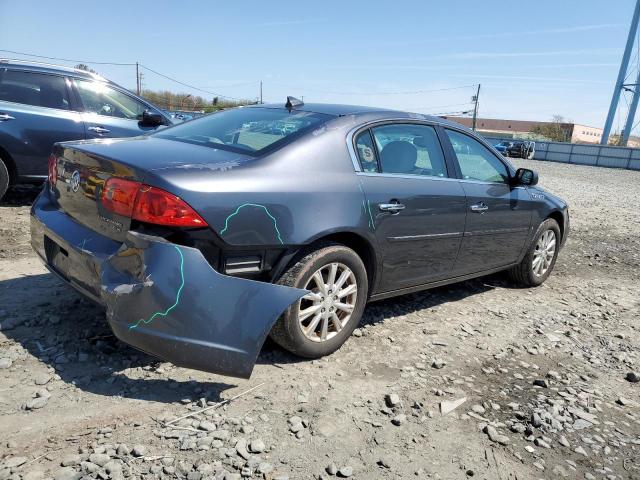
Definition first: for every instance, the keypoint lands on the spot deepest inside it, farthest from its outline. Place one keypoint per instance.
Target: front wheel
(4, 179)
(538, 263)
(321, 321)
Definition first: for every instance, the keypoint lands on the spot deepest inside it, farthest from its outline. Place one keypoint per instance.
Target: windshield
(246, 130)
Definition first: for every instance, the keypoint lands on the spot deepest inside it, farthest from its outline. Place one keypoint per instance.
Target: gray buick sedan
(284, 220)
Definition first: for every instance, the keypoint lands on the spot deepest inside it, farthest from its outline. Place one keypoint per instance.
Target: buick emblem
(75, 181)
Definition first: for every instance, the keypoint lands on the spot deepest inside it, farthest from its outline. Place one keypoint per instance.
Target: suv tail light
(148, 204)
(53, 170)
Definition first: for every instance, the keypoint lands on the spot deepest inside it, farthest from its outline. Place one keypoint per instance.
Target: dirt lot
(542, 378)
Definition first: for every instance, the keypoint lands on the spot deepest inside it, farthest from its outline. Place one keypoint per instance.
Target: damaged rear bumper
(162, 298)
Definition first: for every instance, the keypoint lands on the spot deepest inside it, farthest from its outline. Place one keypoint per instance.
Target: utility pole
(137, 80)
(476, 100)
(261, 92)
(620, 85)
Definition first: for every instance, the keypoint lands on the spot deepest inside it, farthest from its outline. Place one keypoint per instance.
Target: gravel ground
(474, 380)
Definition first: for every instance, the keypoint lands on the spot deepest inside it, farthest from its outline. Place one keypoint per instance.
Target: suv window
(410, 149)
(100, 98)
(37, 89)
(476, 161)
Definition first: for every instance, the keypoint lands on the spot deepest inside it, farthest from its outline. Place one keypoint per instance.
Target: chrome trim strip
(427, 236)
(406, 175)
(497, 231)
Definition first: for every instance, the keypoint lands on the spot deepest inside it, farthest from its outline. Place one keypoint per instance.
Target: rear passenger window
(411, 149)
(37, 89)
(366, 152)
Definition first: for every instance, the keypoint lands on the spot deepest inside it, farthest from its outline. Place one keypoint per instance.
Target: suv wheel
(538, 263)
(4, 179)
(321, 321)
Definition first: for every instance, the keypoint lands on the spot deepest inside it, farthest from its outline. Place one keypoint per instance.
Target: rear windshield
(246, 130)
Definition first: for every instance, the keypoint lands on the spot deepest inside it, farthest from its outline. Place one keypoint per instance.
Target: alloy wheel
(544, 253)
(327, 308)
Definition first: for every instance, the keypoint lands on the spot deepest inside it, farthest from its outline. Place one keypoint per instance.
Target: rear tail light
(53, 170)
(119, 195)
(148, 204)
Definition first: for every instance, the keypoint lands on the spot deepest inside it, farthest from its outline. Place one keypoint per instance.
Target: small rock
(581, 451)
(139, 450)
(331, 469)
(399, 419)
(438, 363)
(541, 382)
(449, 406)
(392, 400)
(123, 450)
(632, 377)
(563, 441)
(494, 436)
(264, 467)
(36, 403)
(5, 362)
(41, 378)
(100, 459)
(257, 446)
(477, 408)
(622, 401)
(70, 460)
(345, 472)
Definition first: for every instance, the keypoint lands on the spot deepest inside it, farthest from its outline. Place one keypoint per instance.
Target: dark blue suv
(42, 104)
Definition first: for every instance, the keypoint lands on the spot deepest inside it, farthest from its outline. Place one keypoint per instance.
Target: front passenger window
(98, 97)
(476, 161)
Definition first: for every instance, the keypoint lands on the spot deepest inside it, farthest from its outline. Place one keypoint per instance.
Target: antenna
(296, 102)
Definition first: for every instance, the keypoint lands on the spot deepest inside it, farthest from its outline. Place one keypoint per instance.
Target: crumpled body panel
(166, 300)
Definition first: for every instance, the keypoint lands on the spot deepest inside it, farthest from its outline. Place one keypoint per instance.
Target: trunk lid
(84, 167)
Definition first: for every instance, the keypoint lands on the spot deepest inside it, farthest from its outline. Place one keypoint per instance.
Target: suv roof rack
(52, 65)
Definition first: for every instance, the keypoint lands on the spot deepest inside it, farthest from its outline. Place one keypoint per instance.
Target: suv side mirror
(526, 177)
(151, 118)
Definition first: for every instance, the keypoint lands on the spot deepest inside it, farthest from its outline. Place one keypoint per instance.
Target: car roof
(340, 110)
(51, 68)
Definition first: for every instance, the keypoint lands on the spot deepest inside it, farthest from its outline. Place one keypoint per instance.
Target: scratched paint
(175, 304)
(366, 207)
(257, 205)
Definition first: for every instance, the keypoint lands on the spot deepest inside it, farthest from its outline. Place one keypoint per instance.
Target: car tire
(5, 179)
(288, 331)
(530, 274)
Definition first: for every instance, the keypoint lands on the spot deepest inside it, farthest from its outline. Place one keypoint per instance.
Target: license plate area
(57, 257)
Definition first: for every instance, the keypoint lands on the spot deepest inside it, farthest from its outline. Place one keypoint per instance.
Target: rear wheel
(538, 263)
(4, 179)
(321, 321)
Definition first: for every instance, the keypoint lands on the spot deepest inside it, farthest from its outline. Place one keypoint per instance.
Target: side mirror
(526, 177)
(152, 119)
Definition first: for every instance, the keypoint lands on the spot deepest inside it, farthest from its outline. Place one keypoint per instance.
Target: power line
(66, 59)
(406, 92)
(190, 86)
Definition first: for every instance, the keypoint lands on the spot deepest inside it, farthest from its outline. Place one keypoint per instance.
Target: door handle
(99, 130)
(391, 207)
(479, 207)
(4, 117)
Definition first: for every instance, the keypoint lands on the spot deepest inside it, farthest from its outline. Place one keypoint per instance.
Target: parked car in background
(521, 149)
(203, 238)
(503, 146)
(41, 104)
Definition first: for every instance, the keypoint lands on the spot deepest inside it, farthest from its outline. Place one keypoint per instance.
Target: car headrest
(399, 157)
